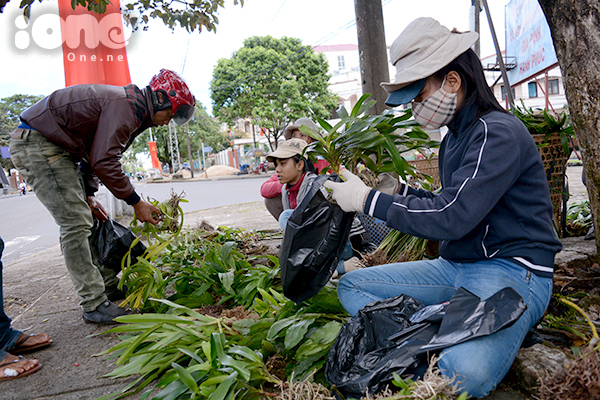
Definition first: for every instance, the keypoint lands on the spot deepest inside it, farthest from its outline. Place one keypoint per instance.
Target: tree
(273, 81)
(189, 14)
(10, 109)
(202, 128)
(575, 29)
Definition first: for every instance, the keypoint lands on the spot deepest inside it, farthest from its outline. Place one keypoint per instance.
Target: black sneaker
(105, 313)
(114, 293)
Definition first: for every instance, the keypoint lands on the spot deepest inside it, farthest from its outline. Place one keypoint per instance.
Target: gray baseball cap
(287, 149)
(289, 130)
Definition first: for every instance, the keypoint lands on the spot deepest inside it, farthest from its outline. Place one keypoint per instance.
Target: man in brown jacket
(93, 124)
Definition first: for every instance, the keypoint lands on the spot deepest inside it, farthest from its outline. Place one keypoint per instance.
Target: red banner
(154, 155)
(93, 45)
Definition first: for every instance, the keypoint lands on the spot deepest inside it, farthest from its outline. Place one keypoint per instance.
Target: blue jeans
(8, 335)
(346, 254)
(481, 363)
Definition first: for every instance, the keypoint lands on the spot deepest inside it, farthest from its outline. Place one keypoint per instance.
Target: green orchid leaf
(186, 377)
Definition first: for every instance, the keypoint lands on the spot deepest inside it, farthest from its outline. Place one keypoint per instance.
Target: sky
(194, 55)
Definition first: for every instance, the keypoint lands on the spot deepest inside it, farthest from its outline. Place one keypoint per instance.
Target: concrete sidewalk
(39, 297)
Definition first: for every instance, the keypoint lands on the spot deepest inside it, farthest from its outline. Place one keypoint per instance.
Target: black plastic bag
(362, 356)
(466, 317)
(113, 243)
(314, 240)
(393, 335)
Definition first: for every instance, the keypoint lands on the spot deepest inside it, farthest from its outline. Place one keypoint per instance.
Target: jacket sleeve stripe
(532, 266)
(461, 186)
(373, 203)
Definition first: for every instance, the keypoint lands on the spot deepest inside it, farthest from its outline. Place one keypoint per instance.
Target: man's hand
(97, 209)
(350, 195)
(146, 212)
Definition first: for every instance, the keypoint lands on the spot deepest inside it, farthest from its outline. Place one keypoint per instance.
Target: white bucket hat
(289, 130)
(422, 49)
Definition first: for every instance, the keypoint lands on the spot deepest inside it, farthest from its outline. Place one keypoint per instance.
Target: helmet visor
(183, 114)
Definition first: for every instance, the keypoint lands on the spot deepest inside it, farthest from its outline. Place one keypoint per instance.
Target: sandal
(14, 373)
(21, 347)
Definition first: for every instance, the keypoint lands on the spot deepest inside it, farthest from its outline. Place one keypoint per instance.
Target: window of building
(553, 86)
(504, 92)
(341, 63)
(532, 89)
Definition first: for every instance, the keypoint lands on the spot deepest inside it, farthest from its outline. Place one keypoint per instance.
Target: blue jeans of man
(8, 335)
(479, 364)
(54, 177)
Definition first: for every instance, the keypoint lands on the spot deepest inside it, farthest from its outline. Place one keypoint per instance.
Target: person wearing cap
(295, 176)
(73, 138)
(271, 188)
(493, 215)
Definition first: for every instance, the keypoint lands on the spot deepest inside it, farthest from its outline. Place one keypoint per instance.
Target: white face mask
(436, 110)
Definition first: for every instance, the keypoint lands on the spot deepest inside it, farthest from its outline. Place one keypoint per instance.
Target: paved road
(27, 227)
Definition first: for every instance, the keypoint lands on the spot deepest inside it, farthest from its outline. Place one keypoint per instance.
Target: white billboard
(528, 40)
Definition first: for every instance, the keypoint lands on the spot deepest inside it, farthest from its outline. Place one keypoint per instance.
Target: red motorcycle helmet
(182, 101)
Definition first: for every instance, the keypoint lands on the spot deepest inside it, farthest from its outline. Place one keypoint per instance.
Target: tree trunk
(372, 51)
(575, 29)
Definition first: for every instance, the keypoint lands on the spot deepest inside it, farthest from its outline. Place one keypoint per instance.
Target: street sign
(528, 39)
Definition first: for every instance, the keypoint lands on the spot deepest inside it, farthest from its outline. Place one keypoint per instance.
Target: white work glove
(350, 195)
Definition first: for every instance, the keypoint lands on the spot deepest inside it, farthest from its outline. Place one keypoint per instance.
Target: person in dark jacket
(493, 215)
(75, 136)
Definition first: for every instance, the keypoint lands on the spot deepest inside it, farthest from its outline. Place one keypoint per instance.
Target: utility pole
(204, 160)
(474, 24)
(372, 50)
(174, 145)
(507, 88)
(187, 135)
(254, 143)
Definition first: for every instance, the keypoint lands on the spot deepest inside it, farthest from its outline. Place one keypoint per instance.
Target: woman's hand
(146, 212)
(350, 195)
(97, 209)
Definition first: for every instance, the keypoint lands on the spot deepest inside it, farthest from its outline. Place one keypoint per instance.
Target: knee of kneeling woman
(284, 217)
(472, 378)
(345, 294)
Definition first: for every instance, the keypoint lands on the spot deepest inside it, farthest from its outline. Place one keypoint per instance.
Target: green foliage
(188, 14)
(540, 122)
(274, 81)
(569, 319)
(407, 389)
(201, 128)
(401, 247)
(196, 356)
(404, 385)
(10, 109)
(377, 142)
(579, 215)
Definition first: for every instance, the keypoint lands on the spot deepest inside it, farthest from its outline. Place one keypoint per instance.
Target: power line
(275, 16)
(327, 37)
(186, 52)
